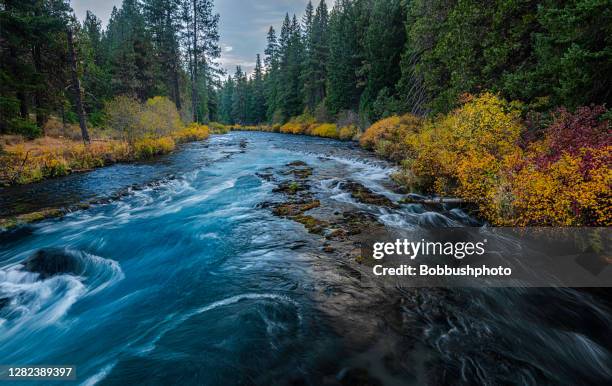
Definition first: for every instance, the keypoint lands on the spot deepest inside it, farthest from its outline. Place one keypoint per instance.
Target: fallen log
(434, 200)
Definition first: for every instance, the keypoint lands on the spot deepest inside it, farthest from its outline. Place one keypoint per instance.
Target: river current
(187, 279)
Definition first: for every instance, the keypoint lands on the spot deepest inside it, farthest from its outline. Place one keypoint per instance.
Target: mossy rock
(290, 188)
(365, 260)
(366, 196)
(297, 163)
(27, 218)
(302, 173)
(288, 209)
(311, 224)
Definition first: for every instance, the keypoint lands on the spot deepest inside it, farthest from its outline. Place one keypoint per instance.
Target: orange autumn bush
(389, 137)
(292, 128)
(562, 179)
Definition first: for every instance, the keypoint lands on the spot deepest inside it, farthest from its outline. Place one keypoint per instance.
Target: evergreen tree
(163, 22)
(258, 100)
(291, 53)
(271, 78)
(239, 97)
(94, 58)
(131, 64)
(33, 69)
(383, 43)
(319, 53)
(346, 56)
(201, 39)
(225, 108)
(308, 73)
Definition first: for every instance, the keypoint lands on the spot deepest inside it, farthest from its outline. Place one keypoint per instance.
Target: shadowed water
(190, 281)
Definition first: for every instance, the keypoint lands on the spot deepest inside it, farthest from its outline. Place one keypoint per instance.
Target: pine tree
(308, 74)
(225, 108)
(201, 39)
(239, 97)
(384, 41)
(94, 58)
(291, 53)
(130, 47)
(258, 106)
(163, 22)
(346, 56)
(271, 78)
(319, 53)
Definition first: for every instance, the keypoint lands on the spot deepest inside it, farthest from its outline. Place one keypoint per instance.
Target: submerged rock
(299, 169)
(15, 234)
(357, 377)
(302, 173)
(297, 163)
(53, 261)
(291, 187)
(265, 176)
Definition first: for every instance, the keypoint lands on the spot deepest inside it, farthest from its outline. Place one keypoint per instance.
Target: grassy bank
(25, 161)
(131, 131)
(306, 125)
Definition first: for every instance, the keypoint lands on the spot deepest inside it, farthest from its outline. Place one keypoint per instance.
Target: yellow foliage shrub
(487, 127)
(328, 130)
(193, 132)
(131, 120)
(348, 132)
(293, 127)
(378, 131)
(473, 153)
(160, 117)
(389, 137)
(149, 147)
(218, 128)
(561, 194)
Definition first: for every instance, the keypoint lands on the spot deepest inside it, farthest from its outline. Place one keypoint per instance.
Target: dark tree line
(382, 57)
(149, 48)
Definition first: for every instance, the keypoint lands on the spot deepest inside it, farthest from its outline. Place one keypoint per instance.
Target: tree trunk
(177, 90)
(174, 65)
(76, 84)
(434, 201)
(194, 76)
(38, 97)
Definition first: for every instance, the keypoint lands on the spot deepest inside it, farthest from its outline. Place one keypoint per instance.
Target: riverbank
(25, 161)
(515, 167)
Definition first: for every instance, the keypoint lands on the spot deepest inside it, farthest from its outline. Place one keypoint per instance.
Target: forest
(377, 58)
(505, 106)
(149, 48)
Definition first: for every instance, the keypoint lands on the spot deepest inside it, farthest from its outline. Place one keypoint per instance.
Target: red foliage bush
(569, 133)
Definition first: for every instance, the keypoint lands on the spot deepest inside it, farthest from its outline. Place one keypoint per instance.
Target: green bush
(24, 127)
(97, 119)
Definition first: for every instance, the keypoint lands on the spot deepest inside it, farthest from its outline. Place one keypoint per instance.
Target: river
(184, 277)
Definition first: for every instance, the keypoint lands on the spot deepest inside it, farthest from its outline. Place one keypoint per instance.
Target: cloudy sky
(243, 28)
